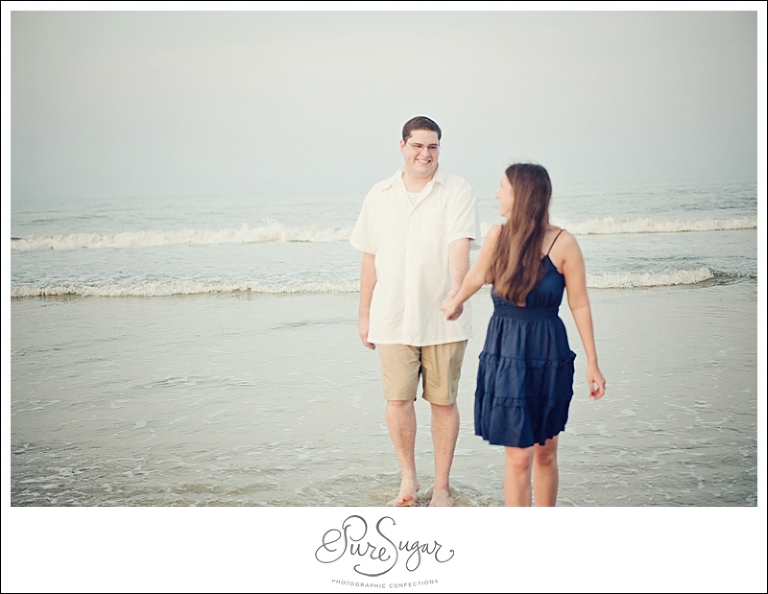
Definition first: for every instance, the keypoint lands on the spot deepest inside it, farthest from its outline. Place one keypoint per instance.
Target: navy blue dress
(525, 375)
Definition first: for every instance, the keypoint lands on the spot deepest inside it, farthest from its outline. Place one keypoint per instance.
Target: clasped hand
(450, 308)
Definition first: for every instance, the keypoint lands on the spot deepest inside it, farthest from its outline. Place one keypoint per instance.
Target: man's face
(420, 151)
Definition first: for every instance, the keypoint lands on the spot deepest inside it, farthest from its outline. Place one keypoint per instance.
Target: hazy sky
(155, 103)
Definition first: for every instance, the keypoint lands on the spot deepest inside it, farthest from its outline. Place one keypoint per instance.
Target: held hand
(596, 382)
(449, 309)
(362, 330)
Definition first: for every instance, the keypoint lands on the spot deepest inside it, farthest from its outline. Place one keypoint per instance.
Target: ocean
(203, 351)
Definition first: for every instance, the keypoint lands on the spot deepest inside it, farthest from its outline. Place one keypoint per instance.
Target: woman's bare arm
(574, 271)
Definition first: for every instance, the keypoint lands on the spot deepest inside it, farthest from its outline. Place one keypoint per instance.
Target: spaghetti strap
(554, 240)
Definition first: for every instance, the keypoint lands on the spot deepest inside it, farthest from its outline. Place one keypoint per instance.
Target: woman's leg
(545, 473)
(517, 476)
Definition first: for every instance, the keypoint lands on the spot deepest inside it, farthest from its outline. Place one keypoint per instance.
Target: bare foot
(442, 498)
(409, 493)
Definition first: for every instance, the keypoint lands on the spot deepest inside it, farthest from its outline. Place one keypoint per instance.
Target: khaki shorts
(439, 366)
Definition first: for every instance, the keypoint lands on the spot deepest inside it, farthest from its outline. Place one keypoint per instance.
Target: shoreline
(241, 401)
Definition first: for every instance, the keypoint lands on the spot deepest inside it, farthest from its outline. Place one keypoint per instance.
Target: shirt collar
(440, 177)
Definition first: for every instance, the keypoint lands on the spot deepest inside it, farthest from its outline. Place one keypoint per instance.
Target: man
(415, 231)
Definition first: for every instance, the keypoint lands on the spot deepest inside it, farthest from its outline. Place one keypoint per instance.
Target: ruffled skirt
(524, 381)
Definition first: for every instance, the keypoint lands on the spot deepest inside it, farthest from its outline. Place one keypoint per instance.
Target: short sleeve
(364, 236)
(463, 220)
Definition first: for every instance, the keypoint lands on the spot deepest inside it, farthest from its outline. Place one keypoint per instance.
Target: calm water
(203, 351)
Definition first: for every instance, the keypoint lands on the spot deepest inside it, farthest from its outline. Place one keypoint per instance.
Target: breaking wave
(166, 289)
(608, 226)
(131, 239)
(169, 288)
(649, 279)
(274, 232)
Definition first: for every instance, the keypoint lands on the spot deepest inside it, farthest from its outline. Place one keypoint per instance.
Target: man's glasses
(417, 146)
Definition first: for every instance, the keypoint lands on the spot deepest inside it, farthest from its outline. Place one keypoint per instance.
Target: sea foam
(180, 288)
(625, 226)
(649, 279)
(274, 232)
(169, 288)
(609, 226)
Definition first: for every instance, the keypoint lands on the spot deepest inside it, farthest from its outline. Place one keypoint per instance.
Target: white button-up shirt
(410, 243)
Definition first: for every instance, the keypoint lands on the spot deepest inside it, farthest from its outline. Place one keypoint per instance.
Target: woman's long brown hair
(517, 266)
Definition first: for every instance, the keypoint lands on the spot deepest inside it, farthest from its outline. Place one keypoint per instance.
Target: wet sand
(270, 400)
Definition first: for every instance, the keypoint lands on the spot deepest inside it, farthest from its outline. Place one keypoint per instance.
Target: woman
(525, 375)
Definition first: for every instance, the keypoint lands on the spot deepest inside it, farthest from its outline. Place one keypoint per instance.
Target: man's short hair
(420, 123)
